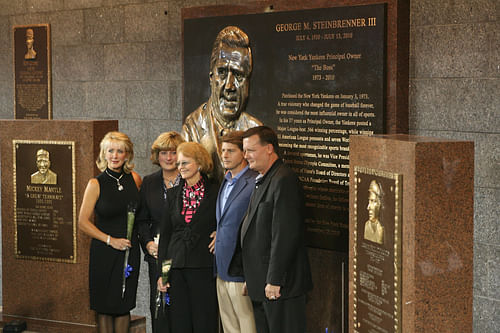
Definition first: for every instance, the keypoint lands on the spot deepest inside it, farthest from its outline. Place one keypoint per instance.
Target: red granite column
(437, 231)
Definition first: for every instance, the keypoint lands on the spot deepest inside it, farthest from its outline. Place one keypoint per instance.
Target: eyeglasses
(183, 163)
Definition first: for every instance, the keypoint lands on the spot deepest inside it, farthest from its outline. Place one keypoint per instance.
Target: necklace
(120, 186)
(192, 199)
(171, 181)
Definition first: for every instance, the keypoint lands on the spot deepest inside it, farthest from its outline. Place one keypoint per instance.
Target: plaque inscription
(318, 77)
(32, 72)
(377, 251)
(44, 200)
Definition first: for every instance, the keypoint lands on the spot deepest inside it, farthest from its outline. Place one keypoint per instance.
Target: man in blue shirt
(235, 306)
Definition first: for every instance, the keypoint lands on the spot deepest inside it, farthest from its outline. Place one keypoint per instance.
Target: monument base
(436, 188)
(35, 325)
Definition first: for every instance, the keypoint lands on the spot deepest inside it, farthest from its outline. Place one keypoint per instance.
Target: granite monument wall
(121, 59)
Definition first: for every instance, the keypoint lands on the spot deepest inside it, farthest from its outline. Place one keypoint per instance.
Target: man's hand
(211, 246)
(272, 292)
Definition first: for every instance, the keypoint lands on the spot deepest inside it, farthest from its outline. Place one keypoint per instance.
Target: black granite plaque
(32, 72)
(377, 255)
(44, 200)
(318, 76)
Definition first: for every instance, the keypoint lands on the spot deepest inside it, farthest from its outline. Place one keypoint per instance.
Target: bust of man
(44, 175)
(30, 41)
(230, 69)
(374, 230)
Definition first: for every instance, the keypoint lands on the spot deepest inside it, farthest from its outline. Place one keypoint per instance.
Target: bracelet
(107, 240)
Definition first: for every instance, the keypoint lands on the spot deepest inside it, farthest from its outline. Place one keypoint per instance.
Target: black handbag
(14, 326)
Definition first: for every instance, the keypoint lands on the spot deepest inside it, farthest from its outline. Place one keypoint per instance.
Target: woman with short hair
(190, 220)
(153, 203)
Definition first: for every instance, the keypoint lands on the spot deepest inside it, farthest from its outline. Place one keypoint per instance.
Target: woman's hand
(152, 248)
(161, 287)
(120, 244)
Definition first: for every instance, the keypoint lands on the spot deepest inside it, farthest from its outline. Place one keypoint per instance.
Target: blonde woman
(153, 203)
(190, 222)
(109, 196)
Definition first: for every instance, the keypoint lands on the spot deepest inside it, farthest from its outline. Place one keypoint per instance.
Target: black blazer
(151, 209)
(271, 245)
(188, 244)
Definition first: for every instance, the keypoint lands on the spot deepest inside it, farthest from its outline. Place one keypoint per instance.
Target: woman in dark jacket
(191, 222)
(153, 196)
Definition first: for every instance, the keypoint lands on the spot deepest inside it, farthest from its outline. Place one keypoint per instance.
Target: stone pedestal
(49, 292)
(436, 219)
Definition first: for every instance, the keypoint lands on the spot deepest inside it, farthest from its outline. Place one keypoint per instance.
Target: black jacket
(271, 246)
(151, 209)
(187, 245)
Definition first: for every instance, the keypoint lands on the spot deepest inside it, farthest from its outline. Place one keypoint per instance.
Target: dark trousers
(193, 301)
(283, 315)
(160, 323)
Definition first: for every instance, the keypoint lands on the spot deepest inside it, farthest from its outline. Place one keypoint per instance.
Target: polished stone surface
(461, 104)
(106, 100)
(163, 60)
(68, 100)
(437, 55)
(67, 28)
(427, 12)
(146, 22)
(327, 303)
(45, 291)
(79, 62)
(104, 25)
(437, 222)
(125, 62)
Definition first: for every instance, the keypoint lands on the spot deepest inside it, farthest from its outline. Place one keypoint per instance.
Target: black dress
(106, 263)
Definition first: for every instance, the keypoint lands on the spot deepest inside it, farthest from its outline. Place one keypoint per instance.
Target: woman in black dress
(153, 195)
(190, 220)
(110, 195)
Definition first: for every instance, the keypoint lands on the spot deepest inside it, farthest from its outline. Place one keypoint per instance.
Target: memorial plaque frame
(325, 230)
(377, 259)
(32, 71)
(44, 220)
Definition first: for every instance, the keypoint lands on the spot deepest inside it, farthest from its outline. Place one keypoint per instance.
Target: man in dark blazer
(235, 307)
(271, 249)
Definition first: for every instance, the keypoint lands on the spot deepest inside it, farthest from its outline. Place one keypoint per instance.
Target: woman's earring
(199, 168)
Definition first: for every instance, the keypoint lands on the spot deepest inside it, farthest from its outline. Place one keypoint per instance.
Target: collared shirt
(191, 199)
(164, 186)
(229, 185)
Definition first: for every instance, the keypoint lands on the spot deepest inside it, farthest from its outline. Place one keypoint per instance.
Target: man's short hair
(233, 37)
(235, 137)
(266, 136)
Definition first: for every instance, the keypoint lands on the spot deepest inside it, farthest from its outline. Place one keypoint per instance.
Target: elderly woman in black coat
(190, 220)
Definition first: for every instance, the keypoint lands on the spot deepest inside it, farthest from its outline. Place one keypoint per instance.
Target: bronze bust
(230, 69)
(374, 230)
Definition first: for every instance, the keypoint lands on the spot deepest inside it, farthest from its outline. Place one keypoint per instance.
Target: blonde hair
(122, 139)
(197, 152)
(167, 141)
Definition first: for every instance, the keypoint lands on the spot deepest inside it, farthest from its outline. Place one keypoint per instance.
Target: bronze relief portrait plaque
(32, 72)
(377, 251)
(44, 200)
(315, 76)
